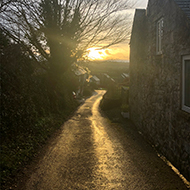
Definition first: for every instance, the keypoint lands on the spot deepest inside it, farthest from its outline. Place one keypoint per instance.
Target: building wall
(155, 81)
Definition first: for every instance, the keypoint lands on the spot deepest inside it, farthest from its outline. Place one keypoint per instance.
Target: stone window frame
(184, 106)
(159, 35)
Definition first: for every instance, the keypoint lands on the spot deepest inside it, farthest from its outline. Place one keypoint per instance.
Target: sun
(120, 52)
(96, 54)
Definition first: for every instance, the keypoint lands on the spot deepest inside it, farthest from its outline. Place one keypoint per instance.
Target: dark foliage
(107, 104)
(31, 107)
(110, 100)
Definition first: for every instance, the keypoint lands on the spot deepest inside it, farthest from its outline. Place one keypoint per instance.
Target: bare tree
(58, 32)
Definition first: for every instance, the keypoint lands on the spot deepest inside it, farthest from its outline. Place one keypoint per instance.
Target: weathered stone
(155, 80)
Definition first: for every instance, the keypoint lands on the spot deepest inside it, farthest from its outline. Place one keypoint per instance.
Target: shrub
(31, 108)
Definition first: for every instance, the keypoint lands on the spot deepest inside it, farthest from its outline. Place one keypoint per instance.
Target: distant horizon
(110, 60)
(119, 52)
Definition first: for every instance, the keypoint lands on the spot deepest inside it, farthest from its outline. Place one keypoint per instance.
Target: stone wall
(155, 81)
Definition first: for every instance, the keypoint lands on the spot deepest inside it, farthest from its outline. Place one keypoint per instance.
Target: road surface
(93, 153)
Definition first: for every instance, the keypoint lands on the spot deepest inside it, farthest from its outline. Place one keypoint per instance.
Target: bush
(107, 103)
(88, 91)
(31, 107)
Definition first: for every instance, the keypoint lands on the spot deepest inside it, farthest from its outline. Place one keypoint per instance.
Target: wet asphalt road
(93, 153)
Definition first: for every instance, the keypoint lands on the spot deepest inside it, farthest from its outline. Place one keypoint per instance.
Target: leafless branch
(57, 29)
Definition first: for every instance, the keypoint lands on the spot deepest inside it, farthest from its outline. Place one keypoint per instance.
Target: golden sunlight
(96, 54)
(119, 52)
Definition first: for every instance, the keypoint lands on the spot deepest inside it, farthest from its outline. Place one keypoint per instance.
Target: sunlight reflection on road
(107, 167)
(93, 153)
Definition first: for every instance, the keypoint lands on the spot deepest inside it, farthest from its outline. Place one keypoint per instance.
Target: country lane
(94, 153)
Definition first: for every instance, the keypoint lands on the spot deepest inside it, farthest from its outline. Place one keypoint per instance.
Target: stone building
(160, 78)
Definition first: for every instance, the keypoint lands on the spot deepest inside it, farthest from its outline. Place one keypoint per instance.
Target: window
(186, 83)
(159, 35)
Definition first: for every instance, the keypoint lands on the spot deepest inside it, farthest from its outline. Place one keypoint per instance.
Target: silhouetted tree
(56, 33)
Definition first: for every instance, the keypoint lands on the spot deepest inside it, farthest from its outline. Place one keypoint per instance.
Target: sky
(119, 51)
(141, 3)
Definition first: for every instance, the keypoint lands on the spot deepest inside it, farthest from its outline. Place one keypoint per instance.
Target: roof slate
(185, 6)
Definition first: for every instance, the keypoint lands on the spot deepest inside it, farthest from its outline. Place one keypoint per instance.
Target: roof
(185, 6)
(106, 75)
(125, 88)
(78, 70)
(125, 75)
(96, 78)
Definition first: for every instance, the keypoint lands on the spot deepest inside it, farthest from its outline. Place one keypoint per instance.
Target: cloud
(120, 51)
(107, 52)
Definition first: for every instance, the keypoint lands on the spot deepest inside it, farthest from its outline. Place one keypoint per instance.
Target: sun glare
(96, 54)
(114, 53)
